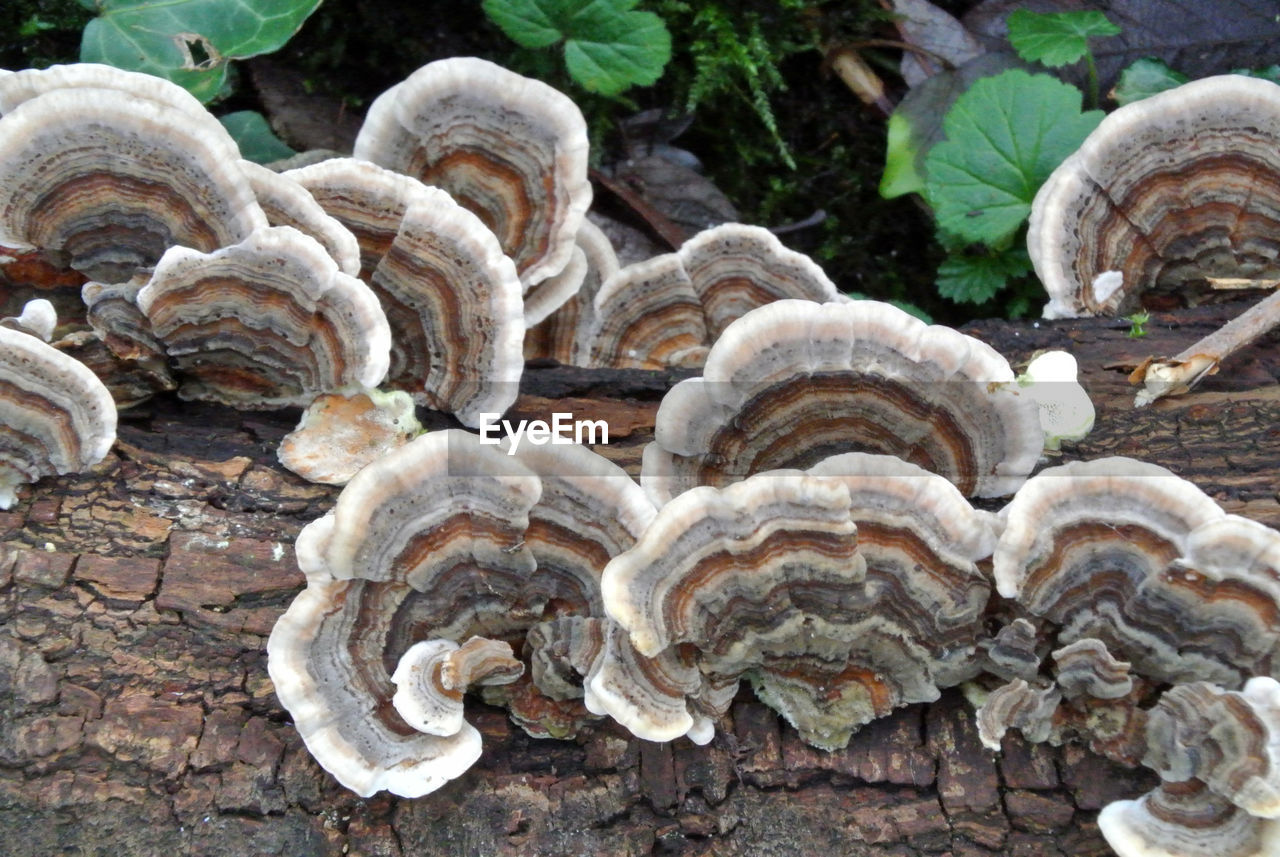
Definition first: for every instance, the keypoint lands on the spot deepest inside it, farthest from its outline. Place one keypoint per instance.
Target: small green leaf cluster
(999, 140)
(609, 46)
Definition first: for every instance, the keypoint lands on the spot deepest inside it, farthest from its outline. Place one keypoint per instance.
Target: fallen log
(136, 715)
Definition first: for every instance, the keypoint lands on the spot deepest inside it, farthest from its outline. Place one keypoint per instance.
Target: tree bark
(138, 717)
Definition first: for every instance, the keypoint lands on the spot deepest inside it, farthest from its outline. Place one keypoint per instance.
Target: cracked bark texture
(136, 716)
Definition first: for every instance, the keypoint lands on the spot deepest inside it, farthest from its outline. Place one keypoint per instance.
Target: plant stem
(1092, 94)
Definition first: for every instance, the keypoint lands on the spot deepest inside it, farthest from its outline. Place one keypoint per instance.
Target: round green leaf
(1004, 136)
(1056, 38)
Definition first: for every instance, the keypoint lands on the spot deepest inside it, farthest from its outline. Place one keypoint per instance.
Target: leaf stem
(1092, 94)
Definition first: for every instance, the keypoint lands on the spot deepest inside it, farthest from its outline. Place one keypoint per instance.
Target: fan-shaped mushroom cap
(1017, 705)
(765, 569)
(450, 295)
(1086, 668)
(795, 381)
(20, 86)
(1129, 554)
(1164, 193)
(563, 335)
(433, 675)
(445, 269)
(509, 148)
(1230, 740)
(771, 579)
(269, 321)
(1012, 652)
(55, 415)
(366, 199)
(113, 180)
(666, 310)
(1186, 820)
(443, 539)
(285, 202)
(424, 543)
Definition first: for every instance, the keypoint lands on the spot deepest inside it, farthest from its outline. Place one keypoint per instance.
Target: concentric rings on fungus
(55, 415)
(1126, 553)
(508, 148)
(1166, 193)
(113, 180)
(795, 381)
(443, 540)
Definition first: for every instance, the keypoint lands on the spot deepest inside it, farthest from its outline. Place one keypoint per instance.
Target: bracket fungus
(1127, 553)
(266, 322)
(563, 334)
(432, 676)
(509, 148)
(839, 597)
(55, 415)
(666, 311)
(1167, 194)
(112, 179)
(1186, 819)
(287, 203)
(443, 539)
(451, 296)
(795, 381)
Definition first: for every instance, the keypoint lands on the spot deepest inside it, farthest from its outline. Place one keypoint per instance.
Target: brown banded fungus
(1229, 740)
(762, 574)
(1186, 819)
(112, 180)
(1165, 195)
(1126, 553)
(442, 540)
(839, 597)
(666, 311)
(795, 381)
(563, 335)
(432, 676)
(55, 415)
(287, 203)
(266, 322)
(509, 148)
(451, 296)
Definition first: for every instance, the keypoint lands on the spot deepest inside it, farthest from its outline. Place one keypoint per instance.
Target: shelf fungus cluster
(796, 381)
(450, 294)
(1163, 614)
(428, 576)
(839, 598)
(668, 310)
(55, 415)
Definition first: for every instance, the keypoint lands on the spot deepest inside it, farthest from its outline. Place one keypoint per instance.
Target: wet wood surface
(137, 716)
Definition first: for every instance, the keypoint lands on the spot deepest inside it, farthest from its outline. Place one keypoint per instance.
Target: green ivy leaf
(1004, 136)
(976, 279)
(189, 42)
(1144, 78)
(1056, 38)
(257, 142)
(608, 45)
